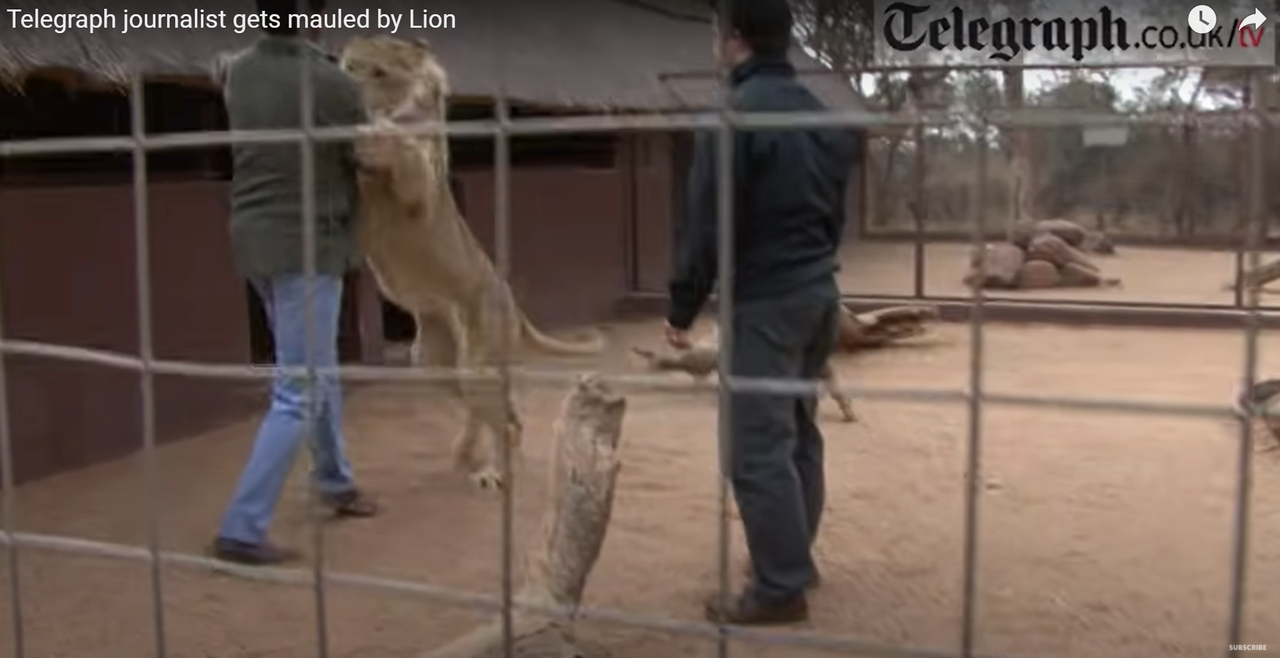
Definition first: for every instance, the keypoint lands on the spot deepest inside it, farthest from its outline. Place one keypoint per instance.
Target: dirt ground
(1102, 535)
(1148, 275)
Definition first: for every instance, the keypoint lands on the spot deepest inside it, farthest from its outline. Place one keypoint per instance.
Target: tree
(840, 31)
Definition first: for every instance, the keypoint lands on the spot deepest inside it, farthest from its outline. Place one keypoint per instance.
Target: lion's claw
(488, 479)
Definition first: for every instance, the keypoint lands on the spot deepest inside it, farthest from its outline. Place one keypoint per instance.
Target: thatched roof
(596, 54)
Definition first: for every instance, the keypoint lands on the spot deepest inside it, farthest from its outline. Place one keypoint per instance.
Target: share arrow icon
(1255, 19)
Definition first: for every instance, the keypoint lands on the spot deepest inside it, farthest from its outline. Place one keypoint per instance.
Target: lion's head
(398, 78)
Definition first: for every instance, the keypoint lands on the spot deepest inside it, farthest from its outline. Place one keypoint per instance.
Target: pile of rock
(1049, 253)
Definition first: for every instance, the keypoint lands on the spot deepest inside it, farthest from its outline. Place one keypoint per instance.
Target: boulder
(996, 266)
(1097, 242)
(1023, 231)
(1038, 274)
(1054, 249)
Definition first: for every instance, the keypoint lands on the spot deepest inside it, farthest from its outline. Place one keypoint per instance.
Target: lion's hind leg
(832, 385)
(434, 340)
(463, 449)
(490, 406)
(440, 341)
(491, 410)
(497, 414)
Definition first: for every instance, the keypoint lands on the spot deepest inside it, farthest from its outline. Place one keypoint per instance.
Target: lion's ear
(422, 44)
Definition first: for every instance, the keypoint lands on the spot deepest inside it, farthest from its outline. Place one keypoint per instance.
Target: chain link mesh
(972, 198)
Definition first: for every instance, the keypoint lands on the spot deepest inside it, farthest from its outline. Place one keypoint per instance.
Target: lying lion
(702, 359)
(1258, 403)
(1255, 280)
(422, 252)
(856, 331)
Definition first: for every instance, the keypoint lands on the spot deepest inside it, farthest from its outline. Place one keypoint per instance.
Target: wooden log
(583, 473)
(997, 266)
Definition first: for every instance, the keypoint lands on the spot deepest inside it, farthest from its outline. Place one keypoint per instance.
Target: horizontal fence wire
(634, 382)
(503, 128)
(539, 126)
(488, 603)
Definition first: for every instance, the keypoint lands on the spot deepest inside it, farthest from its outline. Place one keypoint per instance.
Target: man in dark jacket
(788, 217)
(263, 87)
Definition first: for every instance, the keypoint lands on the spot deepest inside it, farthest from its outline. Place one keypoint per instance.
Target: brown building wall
(569, 239)
(67, 277)
(654, 180)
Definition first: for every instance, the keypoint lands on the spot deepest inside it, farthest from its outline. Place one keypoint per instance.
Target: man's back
(791, 187)
(263, 90)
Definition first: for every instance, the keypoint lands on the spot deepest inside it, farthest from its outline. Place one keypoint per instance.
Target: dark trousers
(775, 452)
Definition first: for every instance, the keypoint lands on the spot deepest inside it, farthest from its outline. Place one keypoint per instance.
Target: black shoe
(257, 555)
(745, 610)
(350, 504)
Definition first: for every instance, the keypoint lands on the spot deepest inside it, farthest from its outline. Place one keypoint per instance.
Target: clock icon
(1202, 19)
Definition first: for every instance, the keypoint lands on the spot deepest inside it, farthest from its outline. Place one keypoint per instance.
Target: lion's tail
(595, 344)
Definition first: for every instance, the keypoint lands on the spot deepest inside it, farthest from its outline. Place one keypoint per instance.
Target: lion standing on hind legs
(423, 254)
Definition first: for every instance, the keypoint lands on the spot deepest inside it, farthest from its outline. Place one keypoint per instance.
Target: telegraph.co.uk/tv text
(904, 30)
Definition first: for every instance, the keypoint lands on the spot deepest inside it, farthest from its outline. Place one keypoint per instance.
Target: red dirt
(1102, 535)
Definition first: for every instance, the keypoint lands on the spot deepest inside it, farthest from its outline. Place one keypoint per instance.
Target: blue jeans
(285, 427)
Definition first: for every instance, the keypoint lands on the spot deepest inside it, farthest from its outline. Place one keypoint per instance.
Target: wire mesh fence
(1172, 180)
(1169, 177)
(978, 125)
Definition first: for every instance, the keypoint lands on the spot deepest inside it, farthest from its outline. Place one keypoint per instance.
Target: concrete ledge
(1060, 312)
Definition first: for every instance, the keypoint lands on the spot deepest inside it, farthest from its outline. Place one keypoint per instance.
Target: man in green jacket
(263, 86)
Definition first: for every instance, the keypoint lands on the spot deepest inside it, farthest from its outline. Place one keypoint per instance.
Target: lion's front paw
(376, 148)
(488, 478)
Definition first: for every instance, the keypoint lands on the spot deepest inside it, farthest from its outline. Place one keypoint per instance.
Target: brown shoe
(350, 504)
(265, 554)
(749, 573)
(745, 610)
